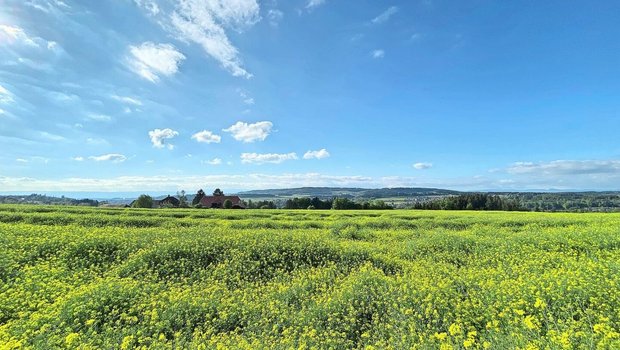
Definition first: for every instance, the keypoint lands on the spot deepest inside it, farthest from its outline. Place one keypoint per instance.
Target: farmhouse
(168, 202)
(218, 201)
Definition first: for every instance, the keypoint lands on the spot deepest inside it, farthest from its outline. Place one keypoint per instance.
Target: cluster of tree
(347, 204)
(338, 203)
(570, 201)
(472, 201)
(144, 201)
(308, 203)
(43, 199)
(261, 205)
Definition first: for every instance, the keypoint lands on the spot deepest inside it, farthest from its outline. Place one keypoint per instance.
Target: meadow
(96, 278)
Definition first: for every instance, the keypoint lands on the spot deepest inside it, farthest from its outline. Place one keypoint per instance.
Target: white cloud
(158, 137)
(566, 167)
(151, 61)
(273, 158)
(16, 36)
(149, 5)
(320, 154)
(205, 22)
(48, 6)
(385, 16)
(246, 97)
(189, 183)
(275, 16)
(378, 54)
(314, 3)
(78, 159)
(99, 117)
(127, 100)
(250, 132)
(21, 160)
(111, 157)
(207, 136)
(214, 161)
(96, 141)
(5, 95)
(51, 137)
(423, 166)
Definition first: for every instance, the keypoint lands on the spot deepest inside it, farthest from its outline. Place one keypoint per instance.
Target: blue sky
(162, 95)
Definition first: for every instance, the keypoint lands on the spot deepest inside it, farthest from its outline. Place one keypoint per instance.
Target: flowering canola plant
(102, 278)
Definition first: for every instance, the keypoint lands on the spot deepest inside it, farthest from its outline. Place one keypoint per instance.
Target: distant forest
(504, 201)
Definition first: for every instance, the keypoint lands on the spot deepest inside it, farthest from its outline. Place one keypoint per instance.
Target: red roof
(218, 201)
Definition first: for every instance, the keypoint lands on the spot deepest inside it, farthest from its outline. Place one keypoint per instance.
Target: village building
(217, 200)
(168, 202)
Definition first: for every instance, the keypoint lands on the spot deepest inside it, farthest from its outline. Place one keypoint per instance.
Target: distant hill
(347, 192)
(43, 199)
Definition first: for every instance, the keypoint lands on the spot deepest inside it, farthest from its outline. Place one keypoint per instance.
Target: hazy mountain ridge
(348, 192)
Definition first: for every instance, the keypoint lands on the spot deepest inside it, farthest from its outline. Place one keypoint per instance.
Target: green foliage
(474, 201)
(198, 197)
(144, 201)
(228, 204)
(88, 278)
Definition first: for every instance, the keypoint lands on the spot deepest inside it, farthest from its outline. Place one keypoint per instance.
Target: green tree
(198, 197)
(182, 199)
(228, 204)
(144, 201)
(218, 192)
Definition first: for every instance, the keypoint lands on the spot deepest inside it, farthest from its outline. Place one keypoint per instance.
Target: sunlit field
(82, 278)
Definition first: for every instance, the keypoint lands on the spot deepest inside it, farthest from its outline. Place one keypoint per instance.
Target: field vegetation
(97, 278)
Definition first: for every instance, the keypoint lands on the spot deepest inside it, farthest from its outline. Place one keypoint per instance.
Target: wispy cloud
(275, 16)
(51, 137)
(127, 100)
(320, 154)
(205, 23)
(163, 182)
(99, 117)
(151, 61)
(149, 5)
(250, 132)
(206, 136)
(214, 161)
(15, 36)
(378, 53)
(247, 99)
(96, 141)
(423, 166)
(273, 158)
(385, 16)
(111, 157)
(314, 3)
(6, 96)
(158, 137)
(566, 167)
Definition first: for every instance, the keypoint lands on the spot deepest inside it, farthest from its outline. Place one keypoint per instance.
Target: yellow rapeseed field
(88, 278)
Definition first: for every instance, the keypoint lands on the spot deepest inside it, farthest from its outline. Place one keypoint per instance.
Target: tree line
(473, 201)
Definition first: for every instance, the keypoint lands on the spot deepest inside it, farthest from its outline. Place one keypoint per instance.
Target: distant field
(88, 278)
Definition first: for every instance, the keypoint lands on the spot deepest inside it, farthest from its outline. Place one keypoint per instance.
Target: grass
(88, 278)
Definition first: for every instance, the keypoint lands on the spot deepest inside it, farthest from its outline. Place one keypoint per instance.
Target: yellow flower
(540, 304)
(530, 322)
(454, 329)
(441, 336)
(72, 338)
